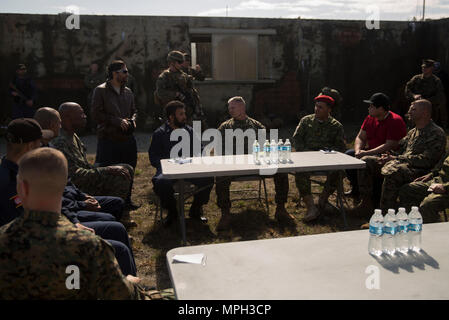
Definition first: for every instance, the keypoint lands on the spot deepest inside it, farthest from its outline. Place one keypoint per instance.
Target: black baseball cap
(378, 100)
(25, 130)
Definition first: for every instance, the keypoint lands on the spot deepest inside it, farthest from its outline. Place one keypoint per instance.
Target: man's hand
(80, 226)
(424, 178)
(133, 279)
(119, 171)
(29, 103)
(361, 153)
(124, 125)
(198, 68)
(437, 188)
(416, 96)
(92, 204)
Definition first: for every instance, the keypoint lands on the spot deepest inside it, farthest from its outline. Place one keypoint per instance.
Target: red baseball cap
(329, 100)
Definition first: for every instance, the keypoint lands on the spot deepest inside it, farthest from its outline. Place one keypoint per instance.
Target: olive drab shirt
(313, 135)
(248, 123)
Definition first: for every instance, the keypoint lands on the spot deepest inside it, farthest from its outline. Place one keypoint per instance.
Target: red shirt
(378, 132)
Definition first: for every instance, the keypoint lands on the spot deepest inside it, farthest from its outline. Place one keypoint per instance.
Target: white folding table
(323, 266)
(241, 165)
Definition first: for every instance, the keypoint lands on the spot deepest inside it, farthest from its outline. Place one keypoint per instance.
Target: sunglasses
(122, 71)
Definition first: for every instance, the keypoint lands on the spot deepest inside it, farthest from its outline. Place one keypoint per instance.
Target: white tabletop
(323, 266)
(244, 165)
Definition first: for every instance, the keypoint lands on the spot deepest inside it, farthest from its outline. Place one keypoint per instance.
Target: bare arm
(360, 141)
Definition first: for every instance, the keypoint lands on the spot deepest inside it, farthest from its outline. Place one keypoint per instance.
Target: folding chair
(261, 180)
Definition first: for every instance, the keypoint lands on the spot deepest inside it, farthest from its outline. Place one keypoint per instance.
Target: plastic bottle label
(266, 149)
(256, 149)
(289, 148)
(375, 230)
(284, 148)
(402, 228)
(415, 227)
(390, 230)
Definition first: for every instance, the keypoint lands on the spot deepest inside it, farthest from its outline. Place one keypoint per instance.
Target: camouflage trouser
(430, 204)
(105, 184)
(395, 176)
(222, 186)
(367, 176)
(304, 184)
(166, 294)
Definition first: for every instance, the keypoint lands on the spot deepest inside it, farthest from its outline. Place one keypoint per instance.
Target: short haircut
(172, 106)
(237, 99)
(424, 104)
(45, 170)
(46, 117)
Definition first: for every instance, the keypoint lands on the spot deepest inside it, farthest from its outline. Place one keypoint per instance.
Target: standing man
(380, 132)
(160, 148)
(114, 111)
(428, 86)
(314, 132)
(92, 80)
(24, 92)
(240, 120)
(196, 72)
(39, 270)
(175, 84)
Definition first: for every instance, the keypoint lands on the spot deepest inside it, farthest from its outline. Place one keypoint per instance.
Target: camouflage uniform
(429, 88)
(197, 75)
(313, 135)
(37, 247)
(419, 152)
(416, 194)
(169, 83)
(223, 184)
(92, 180)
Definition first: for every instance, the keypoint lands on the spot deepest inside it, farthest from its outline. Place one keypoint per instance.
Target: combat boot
(225, 220)
(282, 216)
(312, 211)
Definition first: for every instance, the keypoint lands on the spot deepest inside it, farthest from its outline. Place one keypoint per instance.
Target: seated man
(419, 152)
(380, 132)
(39, 271)
(160, 148)
(105, 181)
(315, 132)
(86, 207)
(429, 192)
(22, 136)
(240, 120)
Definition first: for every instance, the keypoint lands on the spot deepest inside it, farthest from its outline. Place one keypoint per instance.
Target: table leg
(182, 221)
(340, 193)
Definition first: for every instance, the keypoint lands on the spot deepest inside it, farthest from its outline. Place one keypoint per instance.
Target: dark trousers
(164, 189)
(111, 205)
(115, 233)
(112, 152)
(351, 174)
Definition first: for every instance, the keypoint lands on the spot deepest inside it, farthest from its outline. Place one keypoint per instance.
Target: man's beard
(179, 124)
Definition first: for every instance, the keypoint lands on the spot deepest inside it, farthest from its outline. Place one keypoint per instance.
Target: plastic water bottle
(266, 151)
(389, 237)
(280, 151)
(414, 229)
(273, 152)
(287, 151)
(402, 236)
(376, 224)
(256, 150)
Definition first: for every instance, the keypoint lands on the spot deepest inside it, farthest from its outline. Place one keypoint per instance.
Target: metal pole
(423, 9)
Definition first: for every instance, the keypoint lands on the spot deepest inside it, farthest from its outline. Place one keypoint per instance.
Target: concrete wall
(302, 57)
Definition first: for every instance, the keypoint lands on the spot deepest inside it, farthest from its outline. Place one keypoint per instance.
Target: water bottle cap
(414, 208)
(287, 140)
(401, 209)
(391, 211)
(378, 211)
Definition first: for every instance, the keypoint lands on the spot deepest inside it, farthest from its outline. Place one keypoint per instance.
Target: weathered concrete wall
(302, 57)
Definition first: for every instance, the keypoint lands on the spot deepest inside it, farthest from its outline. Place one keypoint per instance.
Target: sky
(306, 9)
